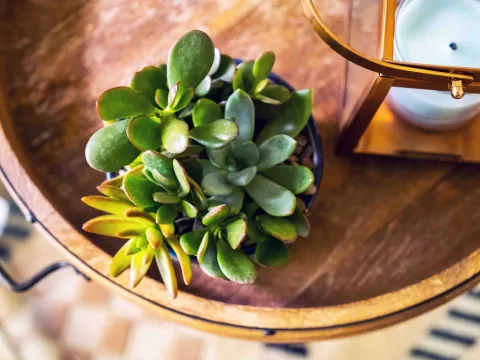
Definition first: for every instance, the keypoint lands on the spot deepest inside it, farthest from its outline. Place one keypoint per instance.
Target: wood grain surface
(391, 237)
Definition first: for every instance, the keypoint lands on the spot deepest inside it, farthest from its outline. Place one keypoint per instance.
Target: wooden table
(391, 238)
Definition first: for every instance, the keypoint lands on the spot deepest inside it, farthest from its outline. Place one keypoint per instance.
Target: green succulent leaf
(123, 102)
(109, 149)
(121, 261)
(219, 157)
(190, 150)
(183, 259)
(193, 167)
(292, 118)
(189, 209)
(240, 108)
(204, 87)
(247, 153)
(217, 58)
(190, 59)
(207, 258)
(236, 232)
(186, 112)
(237, 81)
(267, 100)
(275, 150)
(276, 92)
(272, 253)
(154, 237)
(163, 165)
(198, 196)
(182, 176)
(216, 215)
(148, 80)
(295, 178)
(140, 215)
(167, 184)
(226, 70)
(183, 100)
(165, 267)
(261, 85)
(301, 223)
(263, 65)
(246, 69)
(216, 134)
(112, 225)
(271, 197)
(139, 190)
(161, 98)
(250, 209)
(242, 177)
(280, 228)
(165, 198)
(235, 264)
(174, 135)
(190, 242)
(139, 266)
(217, 184)
(113, 192)
(255, 235)
(167, 229)
(107, 204)
(234, 200)
(144, 133)
(166, 214)
(206, 111)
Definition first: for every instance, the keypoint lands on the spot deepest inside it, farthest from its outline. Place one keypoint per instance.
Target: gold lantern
(380, 85)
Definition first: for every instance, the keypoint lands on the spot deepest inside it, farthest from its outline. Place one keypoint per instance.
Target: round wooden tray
(391, 238)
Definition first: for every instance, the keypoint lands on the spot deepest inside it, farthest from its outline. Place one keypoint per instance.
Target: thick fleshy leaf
(186, 112)
(234, 200)
(250, 209)
(280, 228)
(139, 266)
(301, 223)
(263, 65)
(216, 215)
(191, 241)
(277, 92)
(202, 249)
(166, 183)
(156, 161)
(198, 196)
(139, 190)
(161, 98)
(219, 157)
(272, 253)
(255, 235)
(174, 135)
(247, 153)
(189, 209)
(194, 168)
(246, 69)
(236, 232)
(165, 266)
(237, 80)
(113, 192)
(216, 134)
(174, 95)
(132, 247)
(217, 184)
(190, 150)
(292, 119)
(275, 150)
(261, 85)
(154, 237)
(140, 216)
(217, 58)
(226, 70)
(148, 80)
(182, 176)
(167, 229)
(183, 259)
(165, 198)
(235, 264)
(273, 198)
(115, 181)
(190, 59)
(242, 177)
(240, 108)
(109, 149)
(208, 259)
(108, 205)
(204, 87)
(123, 102)
(144, 133)
(121, 261)
(206, 111)
(166, 214)
(295, 178)
(183, 100)
(267, 100)
(111, 225)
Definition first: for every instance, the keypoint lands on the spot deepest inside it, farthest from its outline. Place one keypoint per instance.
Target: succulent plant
(201, 119)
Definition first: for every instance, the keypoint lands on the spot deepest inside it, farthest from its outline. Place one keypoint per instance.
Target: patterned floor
(68, 318)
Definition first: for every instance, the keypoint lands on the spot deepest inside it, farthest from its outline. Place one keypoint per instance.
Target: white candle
(441, 32)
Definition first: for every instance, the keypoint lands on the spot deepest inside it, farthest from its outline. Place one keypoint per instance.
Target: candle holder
(396, 101)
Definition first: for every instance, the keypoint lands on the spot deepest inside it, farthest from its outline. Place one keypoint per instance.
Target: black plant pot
(185, 224)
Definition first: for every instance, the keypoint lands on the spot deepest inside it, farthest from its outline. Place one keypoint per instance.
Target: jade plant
(204, 142)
